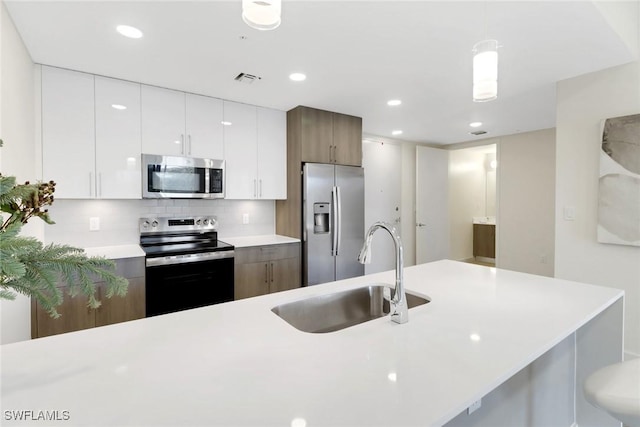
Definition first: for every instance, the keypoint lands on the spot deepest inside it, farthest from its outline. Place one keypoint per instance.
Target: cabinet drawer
(266, 253)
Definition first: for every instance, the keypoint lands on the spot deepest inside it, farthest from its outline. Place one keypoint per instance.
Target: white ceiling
(356, 54)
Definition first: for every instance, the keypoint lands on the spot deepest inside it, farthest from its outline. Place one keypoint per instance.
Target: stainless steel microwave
(174, 177)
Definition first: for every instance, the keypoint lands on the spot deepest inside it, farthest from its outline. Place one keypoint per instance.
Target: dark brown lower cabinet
(75, 315)
(260, 270)
(484, 240)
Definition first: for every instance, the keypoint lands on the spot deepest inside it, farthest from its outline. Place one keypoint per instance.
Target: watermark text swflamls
(34, 415)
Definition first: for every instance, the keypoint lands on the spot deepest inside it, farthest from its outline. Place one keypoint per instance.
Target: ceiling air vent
(247, 78)
(478, 132)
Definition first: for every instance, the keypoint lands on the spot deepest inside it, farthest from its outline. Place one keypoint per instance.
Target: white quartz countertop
(263, 240)
(239, 364)
(116, 252)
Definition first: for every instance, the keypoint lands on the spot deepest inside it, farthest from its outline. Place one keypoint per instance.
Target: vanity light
(261, 14)
(394, 102)
(475, 124)
(485, 71)
(396, 132)
(128, 31)
(226, 123)
(119, 107)
(297, 77)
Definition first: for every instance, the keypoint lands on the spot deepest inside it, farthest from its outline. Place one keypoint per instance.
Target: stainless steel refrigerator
(332, 221)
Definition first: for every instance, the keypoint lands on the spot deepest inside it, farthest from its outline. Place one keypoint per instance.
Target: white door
(382, 165)
(204, 127)
(240, 151)
(117, 139)
(68, 132)
(163, 121)
(272, 154)
(432, 204)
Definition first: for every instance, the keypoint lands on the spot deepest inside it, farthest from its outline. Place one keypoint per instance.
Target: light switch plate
(569, 213)
(94, 223)
(245, 218)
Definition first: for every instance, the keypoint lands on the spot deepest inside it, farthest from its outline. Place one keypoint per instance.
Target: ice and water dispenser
(321, 218)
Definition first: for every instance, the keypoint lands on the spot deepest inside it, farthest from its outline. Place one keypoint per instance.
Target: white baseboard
(628, 355)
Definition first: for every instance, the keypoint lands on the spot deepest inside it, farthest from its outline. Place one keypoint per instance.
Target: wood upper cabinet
(315, 134)
(181, 124)
(327, 137)
(75, 315)
(260, 270)
(68, 132)
(347, 140)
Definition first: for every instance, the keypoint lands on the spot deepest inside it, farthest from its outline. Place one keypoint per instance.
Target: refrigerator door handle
(339, 220)
(334, 228)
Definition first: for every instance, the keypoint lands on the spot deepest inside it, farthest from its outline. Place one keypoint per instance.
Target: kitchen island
(520, 344)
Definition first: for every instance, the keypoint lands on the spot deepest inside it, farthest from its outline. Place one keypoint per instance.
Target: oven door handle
(187, 258)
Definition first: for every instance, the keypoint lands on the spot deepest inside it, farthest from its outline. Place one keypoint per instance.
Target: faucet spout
(399, 307)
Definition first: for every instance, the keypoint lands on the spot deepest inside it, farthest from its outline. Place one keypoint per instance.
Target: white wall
(583, 102)
(382, 163)
(471, 193)
(525, 217)
(17, 124)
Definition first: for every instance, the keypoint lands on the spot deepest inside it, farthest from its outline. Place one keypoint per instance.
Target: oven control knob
(205, 221)
(212, 221)
(145, 224)
(154, 224)
(198, 221)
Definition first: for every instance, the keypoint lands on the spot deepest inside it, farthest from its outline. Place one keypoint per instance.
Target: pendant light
(261, 14)
(485, 71)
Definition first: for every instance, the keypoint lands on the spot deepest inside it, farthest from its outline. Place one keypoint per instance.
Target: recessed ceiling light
(226, 123)
(396, 132)
(297, 77)
(128, 31)
(475, 124)
(394, 102)
(119, 107)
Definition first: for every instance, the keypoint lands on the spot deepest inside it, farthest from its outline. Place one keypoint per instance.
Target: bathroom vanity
(492, 347)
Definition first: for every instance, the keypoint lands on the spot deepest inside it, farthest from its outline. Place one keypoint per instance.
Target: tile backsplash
(119, 218)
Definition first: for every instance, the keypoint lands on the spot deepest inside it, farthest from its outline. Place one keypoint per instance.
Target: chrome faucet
(399, 308)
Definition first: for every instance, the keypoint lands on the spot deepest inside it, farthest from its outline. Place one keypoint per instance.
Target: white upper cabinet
(118, 146)
(240, 151)
(163, 121)
(181, 124)
(68, 132)
(204, 127)
(272, 154)
(255, 147)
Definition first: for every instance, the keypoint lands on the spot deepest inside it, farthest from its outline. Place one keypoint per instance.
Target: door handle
(339, 220)
(334, 214)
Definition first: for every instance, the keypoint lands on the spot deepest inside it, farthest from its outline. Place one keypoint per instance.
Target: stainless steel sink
(333, 312)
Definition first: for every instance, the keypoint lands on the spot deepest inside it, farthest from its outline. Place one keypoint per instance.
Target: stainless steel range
(186, 265)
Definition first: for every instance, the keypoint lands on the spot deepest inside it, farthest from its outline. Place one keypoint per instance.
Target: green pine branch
(28, 267)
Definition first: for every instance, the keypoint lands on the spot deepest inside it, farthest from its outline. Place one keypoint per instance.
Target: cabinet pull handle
(260, 189)
(255, 189)
(90, 184)
(335, 160)
(266, 273)
(271, 272)
(331, 154)
(182, 144)
(99, 186)
(189, 150)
